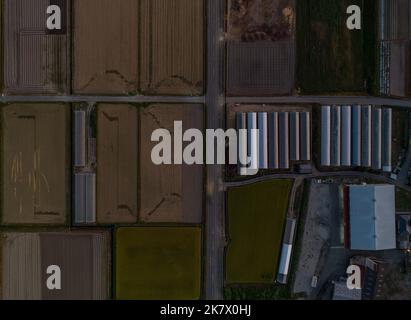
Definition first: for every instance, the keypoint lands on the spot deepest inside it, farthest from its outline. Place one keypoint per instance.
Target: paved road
(325, 100)
(215, 207)
(315, 175)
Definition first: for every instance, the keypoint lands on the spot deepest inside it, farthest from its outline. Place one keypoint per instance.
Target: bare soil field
(83, 258)
(34, 164)
(21, 266)
(170, 193)
(35, 60)
(172, 43)
(256, 20)
(261, 49)
(117, 163)
(105, 46)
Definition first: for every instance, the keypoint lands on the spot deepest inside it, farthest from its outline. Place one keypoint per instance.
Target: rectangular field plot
(256, 215)
(105, 46)
(331, 58)
(169, 193)
(35, 59)
(82, 257)
(117, 145)
(172, 42)
(34, 164)
(161, 263)
(261, 47)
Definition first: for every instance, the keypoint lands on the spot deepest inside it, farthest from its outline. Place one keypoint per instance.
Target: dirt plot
(117, 145)
(105, 46)
(256, 216)
(169, 193)
(158, 263)
(34, 166)
(35, 60)
(255, 20)
(261, 47)
(83, 259)
(172, 43)
(330, 57)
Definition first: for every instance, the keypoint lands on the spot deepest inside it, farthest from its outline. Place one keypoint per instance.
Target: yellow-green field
(256, 216)
(161, 263)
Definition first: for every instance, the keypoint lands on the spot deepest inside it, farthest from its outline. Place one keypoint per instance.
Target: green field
(256, 216)
(161, 263)
(402, 200)
(331, 58)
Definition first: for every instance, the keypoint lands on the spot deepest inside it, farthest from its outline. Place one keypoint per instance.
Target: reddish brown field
(169, 193)
(117, 145)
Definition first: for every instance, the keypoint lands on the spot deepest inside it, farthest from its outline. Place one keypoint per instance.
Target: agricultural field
(34, 164)
(169, 193)
(162, 263)
(117, 163)
(105, 54)
(331, 58)
(261, 47)
(83, 258)
(35, 60)
(172, 58)
(256, 217)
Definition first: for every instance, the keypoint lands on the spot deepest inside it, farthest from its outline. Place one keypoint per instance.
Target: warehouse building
(370, 210)
(326, 136)
(85, 198)
(80, 138)
(356, 136)
(282, 137)
(288, 239)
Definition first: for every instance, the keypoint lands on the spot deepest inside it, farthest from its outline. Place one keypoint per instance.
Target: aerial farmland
(332, 58)
(83, 257)
(170, 193)
(35, 61)
(105, 62)
(175, 49)
(34, 164)
(158, 263)
(261, 47)
(117, 163)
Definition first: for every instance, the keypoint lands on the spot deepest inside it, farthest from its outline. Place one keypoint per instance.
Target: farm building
(283, 137)
(370, 212)
(326, 136)
(395, 48)
(356, 136)
(35, 58)
(84, 198)
(288, 239)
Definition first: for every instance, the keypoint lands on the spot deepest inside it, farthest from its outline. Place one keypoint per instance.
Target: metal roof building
(366, 136)
(273, 140)
(241, 124)
(286, 251)
(336, 136)
(85, 198)
(356, 136)
(305, 120)
(325, 136)
(295, 136)
(284, 140)
(376, 138)
(387, 140)
(372, 217)
(79, 138)
(346, 136)
(252, 139)
(262, 140)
